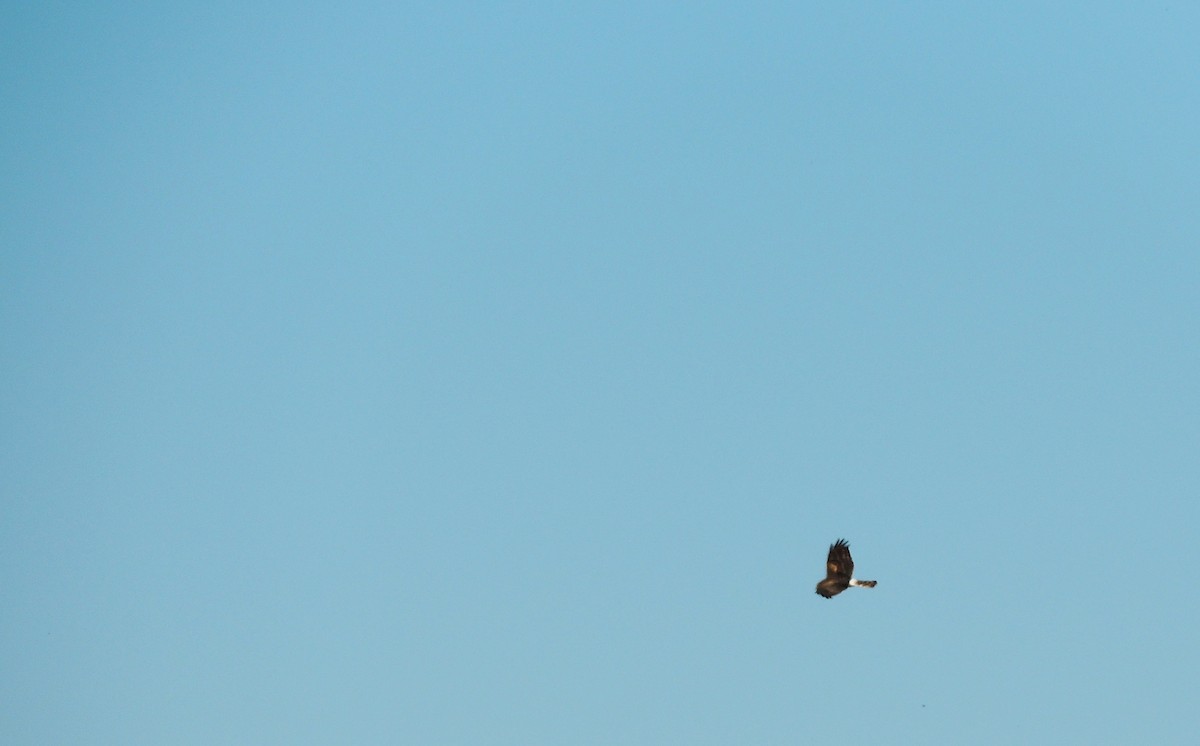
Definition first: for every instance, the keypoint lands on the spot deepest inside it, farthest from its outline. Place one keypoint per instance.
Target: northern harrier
(839, 571)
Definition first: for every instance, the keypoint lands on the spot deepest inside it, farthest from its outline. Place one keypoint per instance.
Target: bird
(839, 571)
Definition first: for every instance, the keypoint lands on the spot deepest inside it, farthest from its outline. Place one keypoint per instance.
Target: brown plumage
(839, 571)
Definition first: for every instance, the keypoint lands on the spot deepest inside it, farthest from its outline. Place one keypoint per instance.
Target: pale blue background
(500, 373)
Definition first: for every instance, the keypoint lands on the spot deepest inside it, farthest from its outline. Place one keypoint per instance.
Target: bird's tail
(864, 583)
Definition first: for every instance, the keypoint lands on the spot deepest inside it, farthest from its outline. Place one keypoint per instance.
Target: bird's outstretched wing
(839, 565)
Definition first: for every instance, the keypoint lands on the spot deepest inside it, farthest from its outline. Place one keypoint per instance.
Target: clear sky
(488, 373)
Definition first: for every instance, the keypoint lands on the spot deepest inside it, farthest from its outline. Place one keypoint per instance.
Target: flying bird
(839, 571)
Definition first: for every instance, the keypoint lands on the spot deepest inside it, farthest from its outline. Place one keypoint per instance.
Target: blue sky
(500, 374)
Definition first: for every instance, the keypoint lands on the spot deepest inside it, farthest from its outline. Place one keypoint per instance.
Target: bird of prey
(839, 571)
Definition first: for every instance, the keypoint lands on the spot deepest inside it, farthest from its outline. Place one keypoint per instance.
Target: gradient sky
(493, 373)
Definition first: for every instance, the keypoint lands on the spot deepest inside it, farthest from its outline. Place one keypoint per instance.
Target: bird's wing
(839, 564)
